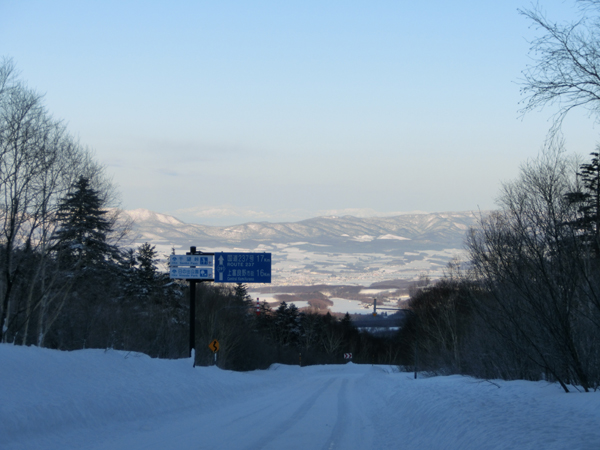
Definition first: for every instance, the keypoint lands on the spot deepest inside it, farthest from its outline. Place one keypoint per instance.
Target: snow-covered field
(95, 399)
(323, 250)
(340, 305)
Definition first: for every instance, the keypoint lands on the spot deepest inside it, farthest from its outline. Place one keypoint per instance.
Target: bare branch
(566, 73)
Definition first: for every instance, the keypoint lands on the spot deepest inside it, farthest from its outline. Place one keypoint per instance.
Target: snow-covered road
(317, 411)
(94, 399)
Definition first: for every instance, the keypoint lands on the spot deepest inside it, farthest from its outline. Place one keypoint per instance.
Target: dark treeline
(527, 306)
(42, 168)
(67, 282)
(283, 335)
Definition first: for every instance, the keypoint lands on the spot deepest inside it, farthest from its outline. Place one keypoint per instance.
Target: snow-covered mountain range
(339, 250)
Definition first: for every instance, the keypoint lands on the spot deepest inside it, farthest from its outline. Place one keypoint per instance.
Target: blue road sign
(242, 267)
(191, 260)
(191, 273)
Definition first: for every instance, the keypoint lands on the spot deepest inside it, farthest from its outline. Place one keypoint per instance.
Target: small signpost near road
(347, 355)
(230, 268)
(214, 346)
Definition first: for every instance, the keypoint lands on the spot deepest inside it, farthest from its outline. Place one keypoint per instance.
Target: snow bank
(44, 390)
(114, 400)
(458, 412)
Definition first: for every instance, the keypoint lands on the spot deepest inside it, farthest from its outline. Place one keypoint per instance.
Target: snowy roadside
(47, 390)
(111, 399)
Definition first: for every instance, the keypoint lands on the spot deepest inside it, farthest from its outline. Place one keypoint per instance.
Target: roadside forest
(68, 279)
(65, 282)
(526, 304)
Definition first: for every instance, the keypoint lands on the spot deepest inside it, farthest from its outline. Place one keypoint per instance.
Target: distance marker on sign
(242, 267)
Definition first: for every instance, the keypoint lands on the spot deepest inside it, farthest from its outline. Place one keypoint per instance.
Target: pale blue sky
(222, 112)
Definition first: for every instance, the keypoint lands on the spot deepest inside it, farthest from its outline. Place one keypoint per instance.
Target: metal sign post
(193, 267)
(214, 346)
(192, 341)
(197, 267)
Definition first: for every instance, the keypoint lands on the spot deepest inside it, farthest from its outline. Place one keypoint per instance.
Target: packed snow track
(315, 412)
(95, 399)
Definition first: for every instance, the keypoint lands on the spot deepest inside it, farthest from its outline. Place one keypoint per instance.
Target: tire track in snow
(338, 431)
(281, 428)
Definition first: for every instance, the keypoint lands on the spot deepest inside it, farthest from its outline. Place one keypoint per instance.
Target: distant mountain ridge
(342, 250)
(446, 228)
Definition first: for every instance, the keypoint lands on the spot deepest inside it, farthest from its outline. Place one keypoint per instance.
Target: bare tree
(22, 160)
(543, 294)
(566, 72)
(39, 162)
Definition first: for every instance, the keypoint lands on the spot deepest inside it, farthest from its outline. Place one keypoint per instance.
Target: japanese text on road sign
(242, 267)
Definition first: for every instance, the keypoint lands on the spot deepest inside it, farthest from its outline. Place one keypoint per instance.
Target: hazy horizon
(229, 222)
(232, 112)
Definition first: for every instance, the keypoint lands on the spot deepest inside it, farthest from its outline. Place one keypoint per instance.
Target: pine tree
(346, 322)
(288, 324)
(81, 235)
(241, 293)
(146, 257)
(139, 270)
(587, 200)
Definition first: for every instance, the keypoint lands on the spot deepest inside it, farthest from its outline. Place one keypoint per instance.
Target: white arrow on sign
(221, 267)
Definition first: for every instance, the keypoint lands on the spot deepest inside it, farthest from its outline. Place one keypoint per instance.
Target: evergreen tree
(81, 235)
(129, 272)
(288, 324)
(265, 320)
(146, 258)
(587, 200)
(141, 277)
(241, 293)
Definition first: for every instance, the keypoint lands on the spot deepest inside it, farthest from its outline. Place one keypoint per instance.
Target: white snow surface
(96, 399)
(393, 236)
